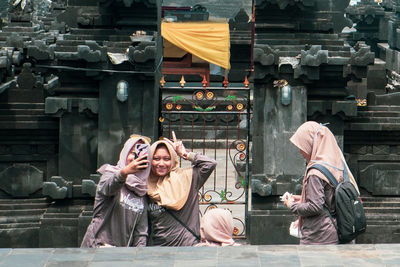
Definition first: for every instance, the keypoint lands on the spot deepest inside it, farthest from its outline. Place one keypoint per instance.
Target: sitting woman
(173, 192)
(216, 228)
(120, 207)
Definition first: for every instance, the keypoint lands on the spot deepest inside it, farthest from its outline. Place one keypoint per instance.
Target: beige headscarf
(172, 190)
(318, 142)
(216, 228)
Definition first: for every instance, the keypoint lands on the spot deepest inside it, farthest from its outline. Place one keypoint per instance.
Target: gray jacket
(117, 211)
(317, 226)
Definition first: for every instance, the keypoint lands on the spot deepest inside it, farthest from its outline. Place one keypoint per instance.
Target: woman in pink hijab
(216, 228)
(120, 207)
(317, 144)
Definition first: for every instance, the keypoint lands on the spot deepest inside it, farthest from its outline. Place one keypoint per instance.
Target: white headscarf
(135, 182)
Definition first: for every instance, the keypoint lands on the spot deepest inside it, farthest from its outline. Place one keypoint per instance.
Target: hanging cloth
(209, 41)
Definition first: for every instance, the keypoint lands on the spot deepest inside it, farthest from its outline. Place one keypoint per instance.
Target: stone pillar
(77, 136)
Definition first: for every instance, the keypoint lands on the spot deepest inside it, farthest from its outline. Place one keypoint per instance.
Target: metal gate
(215, 121)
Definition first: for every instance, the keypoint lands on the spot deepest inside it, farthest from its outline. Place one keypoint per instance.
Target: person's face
(131, 154)
(161, 162)
(305, 155)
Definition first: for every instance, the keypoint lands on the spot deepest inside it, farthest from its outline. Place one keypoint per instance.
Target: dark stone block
(381, 178)
(266, 228)
(21, 180)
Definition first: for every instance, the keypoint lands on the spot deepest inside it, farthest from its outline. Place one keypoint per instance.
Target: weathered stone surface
(57, 188)
(381, 179)
(21, 180)
(89, 185)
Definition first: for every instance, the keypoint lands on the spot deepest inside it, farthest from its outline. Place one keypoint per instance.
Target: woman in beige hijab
(216, 228)
(317, 144)
(173, 192)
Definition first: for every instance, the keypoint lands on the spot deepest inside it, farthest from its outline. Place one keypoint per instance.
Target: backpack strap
(332, 179)
(326, 172)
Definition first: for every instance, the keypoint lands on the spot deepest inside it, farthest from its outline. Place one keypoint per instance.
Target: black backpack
(349, 213)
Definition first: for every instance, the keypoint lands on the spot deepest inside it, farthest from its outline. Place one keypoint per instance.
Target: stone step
(395, 120)
(21, 212)
(109, 32)
(378, 114)
(33, 125)
(377, 126)
(383, 217)
(23, 206)
(97, 37)
(394, 224)
(382, 210)
(48, 215)
(11, 226)
(20, 29)
(65, 222)
(5, 106)
(20, 219)
(28, 117)
(303, 36)
(278, 42)
(23, 200)
(370, 199)
(18, 112)
(381, 204)
(379, 108)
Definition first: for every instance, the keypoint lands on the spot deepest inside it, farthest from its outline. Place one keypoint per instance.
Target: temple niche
(77, 80)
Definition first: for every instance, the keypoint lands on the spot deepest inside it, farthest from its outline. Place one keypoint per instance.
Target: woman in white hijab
(120, 208)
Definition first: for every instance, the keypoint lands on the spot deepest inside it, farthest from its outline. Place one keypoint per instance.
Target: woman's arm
(203, 166)
(315, 198)
(110, 183)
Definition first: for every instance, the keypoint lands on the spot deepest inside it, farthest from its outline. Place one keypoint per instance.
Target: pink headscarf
(135, 182)
(320, 146)
(216, 228)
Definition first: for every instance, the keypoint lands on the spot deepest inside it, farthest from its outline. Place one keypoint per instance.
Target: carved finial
(246, 82)
(225, 82)
(162, 81)
(204, 81)
(182, 82)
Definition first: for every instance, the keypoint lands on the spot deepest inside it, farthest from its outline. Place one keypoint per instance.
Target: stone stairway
(26, 116)
(64, 220)
(383, 217)
(20, 221)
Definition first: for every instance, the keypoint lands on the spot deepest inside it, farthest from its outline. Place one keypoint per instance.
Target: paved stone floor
(273, 255)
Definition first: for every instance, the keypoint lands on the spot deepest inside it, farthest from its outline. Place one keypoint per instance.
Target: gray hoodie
(120, 206)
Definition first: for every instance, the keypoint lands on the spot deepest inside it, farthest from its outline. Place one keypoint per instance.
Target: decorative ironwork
(205, 101)
(216, 121)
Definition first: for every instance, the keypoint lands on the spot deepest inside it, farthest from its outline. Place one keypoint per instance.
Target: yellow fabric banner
(206, 40)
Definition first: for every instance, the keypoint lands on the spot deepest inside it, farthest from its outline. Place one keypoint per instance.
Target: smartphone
(141, 149)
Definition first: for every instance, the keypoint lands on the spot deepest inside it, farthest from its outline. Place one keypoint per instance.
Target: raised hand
(177, 145)
(135, 165)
